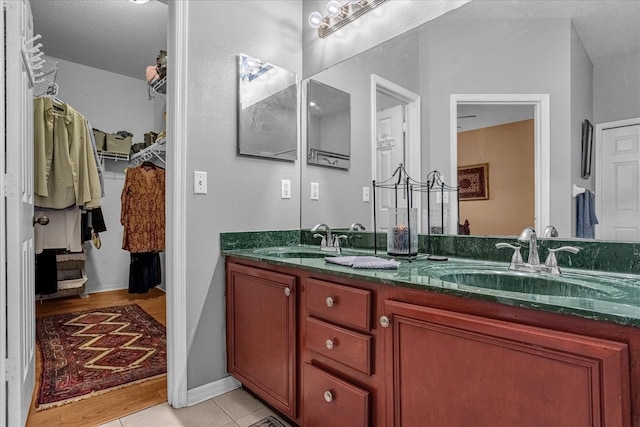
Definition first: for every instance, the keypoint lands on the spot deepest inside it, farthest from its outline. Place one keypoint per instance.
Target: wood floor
(114, 404)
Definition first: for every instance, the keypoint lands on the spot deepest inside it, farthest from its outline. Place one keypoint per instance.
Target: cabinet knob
(329, 344)
(287, 292)
(328, 396)
(330, 301)
(384, 321)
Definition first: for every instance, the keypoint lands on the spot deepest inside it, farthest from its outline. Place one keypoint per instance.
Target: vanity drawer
(349, 348)
(330, 401)
(338, 303)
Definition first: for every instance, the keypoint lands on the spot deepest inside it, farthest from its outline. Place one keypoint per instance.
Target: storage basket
(101, 139)
(119, 144)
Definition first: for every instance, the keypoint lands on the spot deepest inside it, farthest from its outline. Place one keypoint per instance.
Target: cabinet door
(450, 369)
(261, 334)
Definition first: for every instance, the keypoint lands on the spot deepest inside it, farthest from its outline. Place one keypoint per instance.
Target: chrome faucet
(529, 235)
(533, 263)
(328, 242)
(356, 226)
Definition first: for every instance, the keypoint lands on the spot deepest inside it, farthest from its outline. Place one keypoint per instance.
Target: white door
(20, 370)
(390, 152)
(618, 189)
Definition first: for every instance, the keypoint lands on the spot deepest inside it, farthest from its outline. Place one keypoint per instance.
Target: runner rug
(91, 352)
(268, 422)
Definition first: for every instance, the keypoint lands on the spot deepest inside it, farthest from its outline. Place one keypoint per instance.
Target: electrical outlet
(315, 191)
(199, 182)
(286, 189)
(365, 194)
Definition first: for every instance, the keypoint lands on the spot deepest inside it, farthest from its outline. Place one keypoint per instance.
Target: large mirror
(507, 85)
(267, 110)
(328, 126)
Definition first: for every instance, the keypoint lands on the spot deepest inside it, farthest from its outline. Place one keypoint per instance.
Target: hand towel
(364, 262)
(586, 219)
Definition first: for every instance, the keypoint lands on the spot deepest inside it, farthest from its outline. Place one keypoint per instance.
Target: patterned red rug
(92, 352)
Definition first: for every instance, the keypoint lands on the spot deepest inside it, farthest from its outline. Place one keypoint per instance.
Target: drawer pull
(384, 321)
(328, 396)
(329, 344)
(287, 292)
(330, 301)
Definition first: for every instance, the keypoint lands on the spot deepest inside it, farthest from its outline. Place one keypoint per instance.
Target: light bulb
(315, 19)
(333, 8)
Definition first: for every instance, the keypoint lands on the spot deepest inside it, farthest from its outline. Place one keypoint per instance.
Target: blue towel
(586, 219)
(364, 262)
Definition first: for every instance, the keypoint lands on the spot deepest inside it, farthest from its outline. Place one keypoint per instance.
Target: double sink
(493, 276)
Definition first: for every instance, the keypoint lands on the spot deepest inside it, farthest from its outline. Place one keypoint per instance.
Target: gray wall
(111, 102)
(244, 193)
(612, 100)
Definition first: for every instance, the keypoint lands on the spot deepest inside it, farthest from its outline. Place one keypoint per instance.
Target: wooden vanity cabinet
(341, 383)
(261, 334)
(326, 350)
(448, 368)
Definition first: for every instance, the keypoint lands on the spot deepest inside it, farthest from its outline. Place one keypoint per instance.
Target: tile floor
(236, 408)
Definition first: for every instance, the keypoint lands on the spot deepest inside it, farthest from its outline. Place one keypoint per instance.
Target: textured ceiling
(112, 35)
(121, 37)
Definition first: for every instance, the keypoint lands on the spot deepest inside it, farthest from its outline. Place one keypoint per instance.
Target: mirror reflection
(328, 126)
(562, 50)
(267, 110)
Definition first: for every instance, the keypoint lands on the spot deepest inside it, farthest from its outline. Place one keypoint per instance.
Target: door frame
(598, 141)
(176, 213)
(542, 145)
(3, 235)
(411, 102)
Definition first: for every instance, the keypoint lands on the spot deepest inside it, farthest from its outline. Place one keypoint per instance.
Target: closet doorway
(87, 86)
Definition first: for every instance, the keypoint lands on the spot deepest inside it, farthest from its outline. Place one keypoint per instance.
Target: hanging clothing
(62, 231)
(144, 272)
(92, 221)
(46, 272)
(143, 209)
(65, 167)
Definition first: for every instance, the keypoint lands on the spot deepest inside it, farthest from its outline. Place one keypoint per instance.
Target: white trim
(412, 103)
(597, 148)
(3, 234)
(210, 390)
(176, 202)
(542, 144)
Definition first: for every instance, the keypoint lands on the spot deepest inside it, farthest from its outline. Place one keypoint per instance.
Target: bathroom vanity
(331, 345)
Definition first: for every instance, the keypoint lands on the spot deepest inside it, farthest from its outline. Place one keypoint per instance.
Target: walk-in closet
(99, 201)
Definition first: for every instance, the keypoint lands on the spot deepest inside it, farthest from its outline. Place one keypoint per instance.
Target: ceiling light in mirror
(340, 15)
(138, 1)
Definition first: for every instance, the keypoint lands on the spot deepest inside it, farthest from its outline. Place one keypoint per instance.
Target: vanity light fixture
(139, 1)
(340, 15)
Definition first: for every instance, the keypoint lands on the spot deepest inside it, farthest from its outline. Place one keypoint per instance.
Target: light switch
(199, 182)
(285, 188)
(365, 194)
(315, 191)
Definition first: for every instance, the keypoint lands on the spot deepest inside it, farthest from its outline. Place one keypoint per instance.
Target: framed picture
(587, 148)
(473, 182)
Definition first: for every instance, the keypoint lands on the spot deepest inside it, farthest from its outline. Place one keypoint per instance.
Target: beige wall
(508, 149)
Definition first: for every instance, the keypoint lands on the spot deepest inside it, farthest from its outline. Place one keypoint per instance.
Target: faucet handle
(552, 261)
(323, 243)
(517, 256)
(337, 239)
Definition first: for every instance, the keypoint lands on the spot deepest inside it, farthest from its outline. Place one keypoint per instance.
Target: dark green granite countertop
(604, 296)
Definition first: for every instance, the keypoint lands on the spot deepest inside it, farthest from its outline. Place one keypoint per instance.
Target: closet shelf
(113, 156)
(156, 150)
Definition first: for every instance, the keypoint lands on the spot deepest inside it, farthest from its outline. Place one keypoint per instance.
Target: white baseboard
(211, 390)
